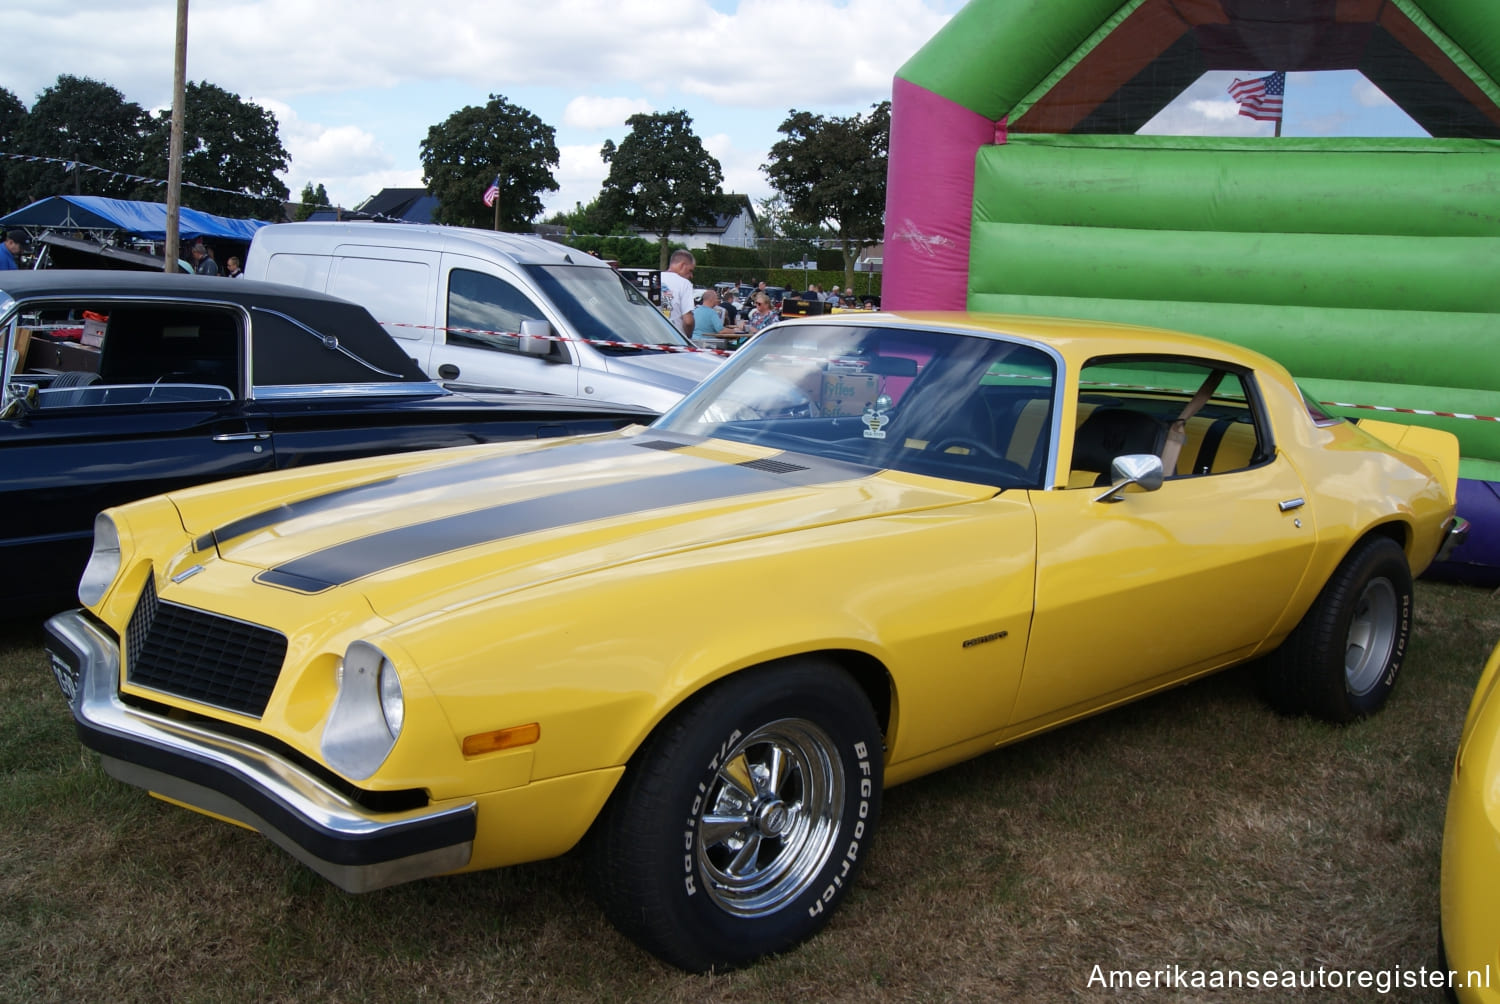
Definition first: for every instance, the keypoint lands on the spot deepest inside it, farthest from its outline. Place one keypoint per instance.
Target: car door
(1160, 585)
(481, 344)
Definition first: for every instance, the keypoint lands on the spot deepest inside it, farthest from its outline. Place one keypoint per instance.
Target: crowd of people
(724, 313)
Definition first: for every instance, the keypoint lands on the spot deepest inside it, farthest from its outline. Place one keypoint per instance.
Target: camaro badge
(875, 420)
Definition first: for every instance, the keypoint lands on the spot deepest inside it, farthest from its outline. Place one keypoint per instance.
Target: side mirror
(535, 337)
(1143, 470)
(22, 400)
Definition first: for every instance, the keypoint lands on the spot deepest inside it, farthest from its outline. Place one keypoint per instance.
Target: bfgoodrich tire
(742, 822)
(1341, 662)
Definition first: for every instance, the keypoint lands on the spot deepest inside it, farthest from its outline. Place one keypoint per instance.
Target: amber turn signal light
(502, 739)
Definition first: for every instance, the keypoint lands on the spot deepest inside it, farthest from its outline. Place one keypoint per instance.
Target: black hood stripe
(355, 559)
(443, 477)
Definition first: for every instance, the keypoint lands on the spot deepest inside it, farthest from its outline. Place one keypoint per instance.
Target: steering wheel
(972, 445)
(997, 464)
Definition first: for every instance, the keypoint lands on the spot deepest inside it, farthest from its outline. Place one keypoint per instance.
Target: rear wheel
(741, 823)
(1341, 662)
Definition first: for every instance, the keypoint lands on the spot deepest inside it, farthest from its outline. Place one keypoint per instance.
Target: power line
(72, 165)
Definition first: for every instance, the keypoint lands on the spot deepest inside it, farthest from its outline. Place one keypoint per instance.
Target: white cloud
(585, 112)
(579, 175)
(1370, 96)
(349, 162)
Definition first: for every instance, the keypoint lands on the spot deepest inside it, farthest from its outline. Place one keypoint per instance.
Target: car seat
(1108, 433)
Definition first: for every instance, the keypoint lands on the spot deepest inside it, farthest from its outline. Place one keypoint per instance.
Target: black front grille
(202, 657)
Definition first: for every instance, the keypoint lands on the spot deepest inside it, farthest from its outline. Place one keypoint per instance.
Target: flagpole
(1282, 113)
(497, 201)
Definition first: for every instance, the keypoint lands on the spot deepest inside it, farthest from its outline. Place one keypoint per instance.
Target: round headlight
(392, 704)
(104, 562)
(367, 713)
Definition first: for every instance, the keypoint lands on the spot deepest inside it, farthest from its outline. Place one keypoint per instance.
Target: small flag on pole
(1260, 98)
(493, 192)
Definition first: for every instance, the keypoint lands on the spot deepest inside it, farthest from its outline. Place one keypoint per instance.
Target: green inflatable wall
(1369, 268)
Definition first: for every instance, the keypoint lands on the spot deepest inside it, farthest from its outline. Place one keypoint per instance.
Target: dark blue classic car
(119, 385)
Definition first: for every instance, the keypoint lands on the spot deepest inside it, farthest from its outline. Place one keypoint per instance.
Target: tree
(660, 177)
(84, 123)
(12, 118)
(589, 219)
(832, 172)
(784, 238)
(463, 155)
(312, 199)
(228, 144)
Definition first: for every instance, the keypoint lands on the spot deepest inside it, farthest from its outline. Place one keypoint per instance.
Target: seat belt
(1177, 431)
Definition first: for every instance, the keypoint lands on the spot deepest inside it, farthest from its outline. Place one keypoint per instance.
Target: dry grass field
(1197, 829)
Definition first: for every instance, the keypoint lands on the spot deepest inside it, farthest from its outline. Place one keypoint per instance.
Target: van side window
(393, 291)
(485, 312)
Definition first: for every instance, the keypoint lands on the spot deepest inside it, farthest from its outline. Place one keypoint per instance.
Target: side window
(485, 312)
(112, 354)
(1128, 405)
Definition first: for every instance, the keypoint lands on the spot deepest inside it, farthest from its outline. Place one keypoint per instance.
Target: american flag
(1260, 98)
(493, 192)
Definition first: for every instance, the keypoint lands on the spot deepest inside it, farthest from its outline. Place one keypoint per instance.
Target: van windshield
(602, 307)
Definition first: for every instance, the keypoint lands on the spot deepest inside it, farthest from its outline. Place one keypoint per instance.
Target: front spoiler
(351, 846)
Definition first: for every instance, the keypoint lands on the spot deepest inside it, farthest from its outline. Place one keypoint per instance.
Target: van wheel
(1340, 663)
(741, 824)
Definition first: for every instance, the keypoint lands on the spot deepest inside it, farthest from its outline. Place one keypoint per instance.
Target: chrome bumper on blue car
(351, 846)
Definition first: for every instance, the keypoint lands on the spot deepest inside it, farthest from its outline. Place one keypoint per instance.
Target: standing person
(203, 259)
(833, 297)
(731, 312)
(15, 242)
(677, 291)
(232, 268)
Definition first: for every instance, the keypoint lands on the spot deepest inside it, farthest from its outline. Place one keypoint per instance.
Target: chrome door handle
(240, 437)
(1291, 504)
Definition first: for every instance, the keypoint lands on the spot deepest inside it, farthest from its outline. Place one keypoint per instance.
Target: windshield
(602, 307)
(965, 407)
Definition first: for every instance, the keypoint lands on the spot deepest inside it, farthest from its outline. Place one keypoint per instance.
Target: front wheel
(1341, 662)
(741, 823)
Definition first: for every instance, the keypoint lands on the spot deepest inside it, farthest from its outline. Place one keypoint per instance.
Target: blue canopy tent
(143, 219)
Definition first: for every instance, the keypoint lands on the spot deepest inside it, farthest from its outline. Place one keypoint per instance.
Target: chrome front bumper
(351, 846)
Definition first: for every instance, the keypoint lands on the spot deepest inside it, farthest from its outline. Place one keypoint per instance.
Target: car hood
(675, 371)
(477, 522)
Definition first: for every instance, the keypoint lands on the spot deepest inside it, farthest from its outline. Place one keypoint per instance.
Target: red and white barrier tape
(1412, 411)
(568, 338)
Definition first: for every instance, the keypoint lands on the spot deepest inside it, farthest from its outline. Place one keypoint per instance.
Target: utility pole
(174, 155)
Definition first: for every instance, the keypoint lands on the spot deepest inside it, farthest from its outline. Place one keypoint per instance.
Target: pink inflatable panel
(930, 199)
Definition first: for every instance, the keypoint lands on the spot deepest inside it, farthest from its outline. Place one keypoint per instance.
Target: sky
(356, 85)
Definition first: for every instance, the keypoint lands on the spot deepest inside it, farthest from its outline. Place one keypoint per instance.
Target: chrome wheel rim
(1371, 637)
(769, 818)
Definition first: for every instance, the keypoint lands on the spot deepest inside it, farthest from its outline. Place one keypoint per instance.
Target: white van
(494, 309)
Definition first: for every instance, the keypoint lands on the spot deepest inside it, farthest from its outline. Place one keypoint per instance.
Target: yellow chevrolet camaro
(1471, 850)
(869, 547)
